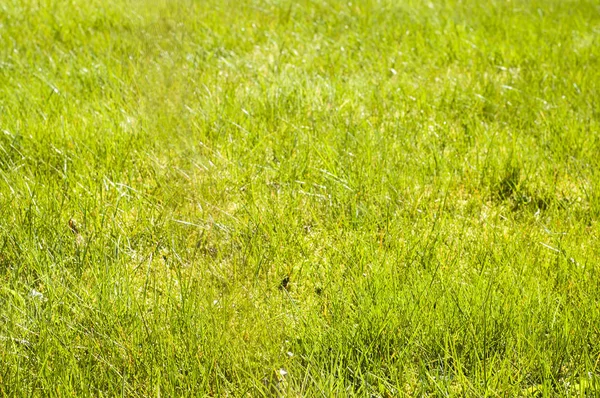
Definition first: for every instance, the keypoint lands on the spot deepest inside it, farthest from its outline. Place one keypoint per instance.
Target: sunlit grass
(299, 198)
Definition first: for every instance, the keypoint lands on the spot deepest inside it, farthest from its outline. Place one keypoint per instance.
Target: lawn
(370, 198)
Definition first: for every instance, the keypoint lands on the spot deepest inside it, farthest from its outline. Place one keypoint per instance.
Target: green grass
(299, 198)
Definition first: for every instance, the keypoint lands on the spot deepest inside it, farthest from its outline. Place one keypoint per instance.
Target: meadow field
(299, 198)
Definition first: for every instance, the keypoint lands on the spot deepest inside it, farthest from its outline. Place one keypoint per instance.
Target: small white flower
(36, 295)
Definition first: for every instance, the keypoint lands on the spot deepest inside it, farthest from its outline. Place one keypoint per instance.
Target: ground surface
(299, 198)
